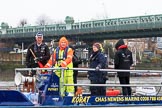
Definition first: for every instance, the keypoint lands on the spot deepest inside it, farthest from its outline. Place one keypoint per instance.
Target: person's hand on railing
(44, 72)
(111, 67)
(97, 68)
(63, 64)
(132, 68)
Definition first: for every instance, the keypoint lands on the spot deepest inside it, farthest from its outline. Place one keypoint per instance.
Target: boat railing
(92, 69)
(52, 89)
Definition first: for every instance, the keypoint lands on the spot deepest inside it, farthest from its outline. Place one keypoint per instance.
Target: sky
(13, 11)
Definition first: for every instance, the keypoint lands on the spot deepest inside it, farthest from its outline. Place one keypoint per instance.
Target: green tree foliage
(69, 20)
(4, 25)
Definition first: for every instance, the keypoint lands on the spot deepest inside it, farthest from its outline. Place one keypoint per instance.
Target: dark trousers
(125, 90)
(75, 75)
(98, 91)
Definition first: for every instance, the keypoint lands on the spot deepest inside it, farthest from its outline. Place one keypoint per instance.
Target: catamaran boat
(43, 90)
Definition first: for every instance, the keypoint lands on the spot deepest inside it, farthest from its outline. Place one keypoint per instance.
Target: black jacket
(76, 61)
(42, 52)
(123, 58)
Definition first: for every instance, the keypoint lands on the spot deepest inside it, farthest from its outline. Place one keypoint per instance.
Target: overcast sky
(12, 11)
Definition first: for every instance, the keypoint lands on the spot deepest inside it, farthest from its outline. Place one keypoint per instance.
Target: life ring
(112, 92)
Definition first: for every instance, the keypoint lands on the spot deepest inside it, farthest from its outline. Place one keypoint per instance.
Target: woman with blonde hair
(97, 61)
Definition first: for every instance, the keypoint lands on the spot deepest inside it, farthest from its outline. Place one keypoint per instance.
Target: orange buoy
(79, 91)
(112, 92)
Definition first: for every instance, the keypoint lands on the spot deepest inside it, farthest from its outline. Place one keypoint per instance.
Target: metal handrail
(92, 69)
(112, 85)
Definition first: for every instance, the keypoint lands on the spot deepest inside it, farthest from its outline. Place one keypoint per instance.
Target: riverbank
(7, 70)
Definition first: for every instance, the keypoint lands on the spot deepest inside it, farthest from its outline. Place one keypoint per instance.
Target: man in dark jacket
(123, 60)
(76, 62)
(41, 52)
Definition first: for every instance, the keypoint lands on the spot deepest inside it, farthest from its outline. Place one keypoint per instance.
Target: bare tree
(23, 22)
(59, 22)
(108, 49)
(43, 20)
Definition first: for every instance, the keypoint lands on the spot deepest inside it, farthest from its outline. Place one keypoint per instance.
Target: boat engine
(28, 82)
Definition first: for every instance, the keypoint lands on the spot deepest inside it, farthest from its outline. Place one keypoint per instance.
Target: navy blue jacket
(97, 59)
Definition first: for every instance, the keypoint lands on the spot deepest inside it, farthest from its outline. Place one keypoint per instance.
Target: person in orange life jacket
(62, 57)
(123, 60)
(41, 51)
(76, 62)
(97, 61)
